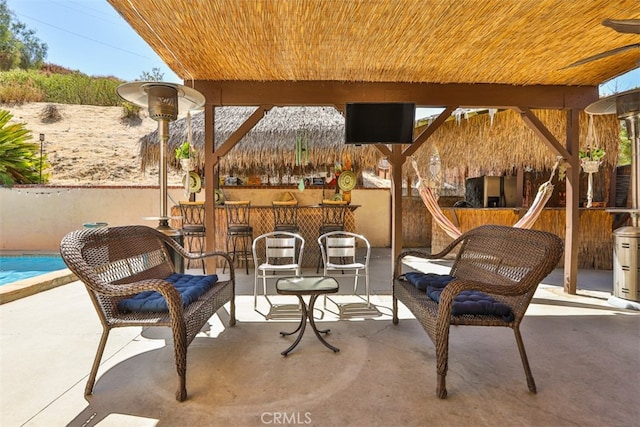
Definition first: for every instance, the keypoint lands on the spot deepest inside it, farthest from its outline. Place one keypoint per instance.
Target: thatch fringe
(270, 146)
(476, 147)
(470, 147)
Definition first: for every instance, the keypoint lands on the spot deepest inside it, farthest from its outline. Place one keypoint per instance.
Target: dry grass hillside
(90, 145)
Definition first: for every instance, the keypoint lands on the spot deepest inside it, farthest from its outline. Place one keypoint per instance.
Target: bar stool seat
(332, 220)
(285, 216)
(193, 227)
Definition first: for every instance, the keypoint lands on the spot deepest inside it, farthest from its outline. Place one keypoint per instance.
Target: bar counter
(262, 221)
(595, 246)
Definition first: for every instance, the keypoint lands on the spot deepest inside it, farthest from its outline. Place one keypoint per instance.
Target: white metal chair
(339, 253)
(275, 253)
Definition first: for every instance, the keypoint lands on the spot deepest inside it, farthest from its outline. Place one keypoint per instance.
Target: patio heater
(164, 101)
(626, 248)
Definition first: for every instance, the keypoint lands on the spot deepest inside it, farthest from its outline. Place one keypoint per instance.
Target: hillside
(90, 146)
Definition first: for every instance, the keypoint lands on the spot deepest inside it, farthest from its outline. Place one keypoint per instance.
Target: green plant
(184, 151)
(18, 86)
(20, 161)
(594, 154)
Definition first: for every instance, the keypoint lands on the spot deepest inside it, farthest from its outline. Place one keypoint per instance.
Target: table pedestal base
(307, 313)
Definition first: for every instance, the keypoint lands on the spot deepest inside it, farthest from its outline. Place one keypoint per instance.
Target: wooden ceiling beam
(236, 136)
(425, 134)
(244, 93)
(542, 132)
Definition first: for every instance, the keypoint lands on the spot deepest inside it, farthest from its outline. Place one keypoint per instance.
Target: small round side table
(312, 286)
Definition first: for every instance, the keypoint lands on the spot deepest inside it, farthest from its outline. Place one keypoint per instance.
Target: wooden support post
(396, 202)
(210, 163)
(572, 219)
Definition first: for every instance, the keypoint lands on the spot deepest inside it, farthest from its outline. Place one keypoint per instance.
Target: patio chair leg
(395, 311)
(441, 387)
(525, 362)
(442, 364)
(180, 354)
(96, 362)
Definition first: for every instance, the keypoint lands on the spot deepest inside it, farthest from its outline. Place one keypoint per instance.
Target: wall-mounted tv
(379, 123)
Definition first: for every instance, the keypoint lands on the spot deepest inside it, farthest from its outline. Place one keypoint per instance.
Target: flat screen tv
(379, 123)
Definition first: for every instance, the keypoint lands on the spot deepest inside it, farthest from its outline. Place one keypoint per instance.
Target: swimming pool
(15, 268)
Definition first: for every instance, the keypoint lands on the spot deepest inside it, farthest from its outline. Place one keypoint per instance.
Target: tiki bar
(297, 155)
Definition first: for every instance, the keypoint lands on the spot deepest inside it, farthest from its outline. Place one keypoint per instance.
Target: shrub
(130, 114)
(71, 87)
(50, 114)
(20, 161)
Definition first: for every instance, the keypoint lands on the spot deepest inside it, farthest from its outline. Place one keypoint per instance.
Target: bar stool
(332, 220)
(193, 227)
(239, 232)
(285, 216)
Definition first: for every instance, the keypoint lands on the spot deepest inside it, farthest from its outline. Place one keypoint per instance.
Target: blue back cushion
(423, 280)
(466, 302)
(190, 287)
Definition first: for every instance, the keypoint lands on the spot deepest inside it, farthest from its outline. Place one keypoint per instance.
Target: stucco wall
(36, 218)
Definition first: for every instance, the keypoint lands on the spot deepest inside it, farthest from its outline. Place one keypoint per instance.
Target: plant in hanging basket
(185, 154)
(184, 151)
(591, 158)
(592, 154)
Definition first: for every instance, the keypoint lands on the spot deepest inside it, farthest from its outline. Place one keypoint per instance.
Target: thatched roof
(493, 145)
(270, 145)
(435, 41)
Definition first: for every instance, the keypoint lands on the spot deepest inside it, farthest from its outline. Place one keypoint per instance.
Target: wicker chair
(505, 263)
(119, 262)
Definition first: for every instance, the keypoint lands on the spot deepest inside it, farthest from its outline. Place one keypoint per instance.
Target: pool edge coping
(33, 285)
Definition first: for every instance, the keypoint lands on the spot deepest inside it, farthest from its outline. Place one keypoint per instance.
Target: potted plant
(185, 155)
(591, 159)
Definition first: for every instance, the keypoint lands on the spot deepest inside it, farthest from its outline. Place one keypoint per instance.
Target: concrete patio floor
(584, 354)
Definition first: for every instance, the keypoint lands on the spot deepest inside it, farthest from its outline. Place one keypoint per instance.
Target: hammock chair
(527, 220)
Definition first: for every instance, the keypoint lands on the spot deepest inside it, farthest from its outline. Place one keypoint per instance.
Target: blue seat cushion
(423, 280)
(190, 287)
(466, 302)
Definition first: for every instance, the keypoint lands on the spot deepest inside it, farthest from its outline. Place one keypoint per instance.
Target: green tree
(19, 46)
(624, 157)
(20, 161)
(154, 76)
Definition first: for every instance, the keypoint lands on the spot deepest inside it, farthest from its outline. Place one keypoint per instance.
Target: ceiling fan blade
(603, 55)
(631, 26)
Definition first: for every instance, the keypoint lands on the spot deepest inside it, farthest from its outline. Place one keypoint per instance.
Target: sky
(90, 36)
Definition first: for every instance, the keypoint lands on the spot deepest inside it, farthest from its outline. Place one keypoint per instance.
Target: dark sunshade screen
(379, 123)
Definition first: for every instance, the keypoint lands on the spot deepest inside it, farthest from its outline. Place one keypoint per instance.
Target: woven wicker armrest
(125, 289)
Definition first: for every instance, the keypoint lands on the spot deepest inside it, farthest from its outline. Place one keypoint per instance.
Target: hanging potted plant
(591, 159)
(185, 155)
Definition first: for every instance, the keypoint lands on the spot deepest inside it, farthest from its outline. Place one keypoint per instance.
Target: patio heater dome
(164, 101)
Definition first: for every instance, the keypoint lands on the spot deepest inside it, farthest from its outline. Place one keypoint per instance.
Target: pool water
(14, 268)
